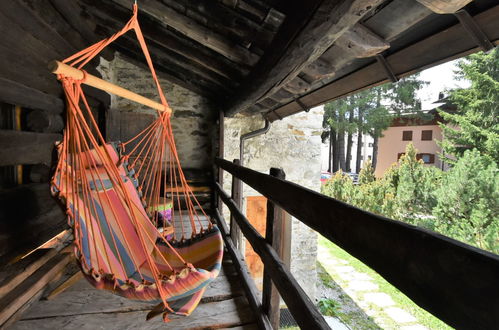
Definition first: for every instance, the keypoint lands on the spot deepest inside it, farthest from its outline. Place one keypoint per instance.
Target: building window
(370, 145)
(427, 135)
(400, 154)
(407, 136)
(426, 158)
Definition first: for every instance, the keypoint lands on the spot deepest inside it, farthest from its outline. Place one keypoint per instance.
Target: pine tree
(468, 201)
(476, 122)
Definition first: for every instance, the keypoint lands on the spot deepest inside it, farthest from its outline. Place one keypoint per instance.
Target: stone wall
(193, 120)
(292, 144)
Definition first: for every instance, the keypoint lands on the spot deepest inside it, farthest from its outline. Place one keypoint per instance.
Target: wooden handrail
(57, 67)
(303, 309)
(452, 280)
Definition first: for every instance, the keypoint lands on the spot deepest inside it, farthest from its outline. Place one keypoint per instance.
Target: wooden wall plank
(20, 148)
(18, 94)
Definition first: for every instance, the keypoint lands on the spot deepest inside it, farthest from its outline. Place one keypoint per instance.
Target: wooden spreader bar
(57, 67)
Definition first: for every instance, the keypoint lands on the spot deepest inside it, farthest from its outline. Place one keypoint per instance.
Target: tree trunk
(358, 160)
(348, 166)
(341, 150)
(330, 154)
(375, 151)
(335, 152)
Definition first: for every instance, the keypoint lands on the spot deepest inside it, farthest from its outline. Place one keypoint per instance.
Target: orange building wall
(391, 144)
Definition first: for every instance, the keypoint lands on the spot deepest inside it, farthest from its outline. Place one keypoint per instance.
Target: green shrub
(462, 203)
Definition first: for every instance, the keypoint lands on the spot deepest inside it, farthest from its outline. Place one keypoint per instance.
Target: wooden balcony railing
(457, 283)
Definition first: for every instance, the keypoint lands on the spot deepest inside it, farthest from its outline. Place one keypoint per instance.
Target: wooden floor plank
(222, 314)
(82, 298)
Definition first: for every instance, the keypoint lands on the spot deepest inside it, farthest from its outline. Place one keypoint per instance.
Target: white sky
(440, 78)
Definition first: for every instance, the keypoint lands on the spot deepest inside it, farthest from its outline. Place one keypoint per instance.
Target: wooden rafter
(167, 16)
(416, 57)
(329, 22)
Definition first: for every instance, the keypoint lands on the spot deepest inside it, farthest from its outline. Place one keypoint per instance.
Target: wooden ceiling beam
(234, 25)
(163, 54)
(191, 29)
(72, 14)
(331, 19)
(107, 11)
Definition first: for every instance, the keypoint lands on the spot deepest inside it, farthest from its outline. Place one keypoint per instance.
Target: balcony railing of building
(457, 283)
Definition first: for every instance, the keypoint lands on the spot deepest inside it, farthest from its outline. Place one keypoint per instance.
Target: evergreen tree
(476, 122)
(468, 201)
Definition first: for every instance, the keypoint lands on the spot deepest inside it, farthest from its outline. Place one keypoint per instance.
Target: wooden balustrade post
(274, 232)
(221, 133)
(237, 196)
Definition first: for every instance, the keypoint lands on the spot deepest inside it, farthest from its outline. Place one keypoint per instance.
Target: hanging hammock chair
(128, 239)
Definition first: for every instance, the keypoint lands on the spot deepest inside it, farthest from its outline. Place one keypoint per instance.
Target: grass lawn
(424, 318)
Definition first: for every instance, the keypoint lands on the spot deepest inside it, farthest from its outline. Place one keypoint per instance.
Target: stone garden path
(366, 294)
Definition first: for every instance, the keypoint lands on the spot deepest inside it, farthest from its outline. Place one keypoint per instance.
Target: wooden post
(221, 132)
(237, 196)
(274, 232)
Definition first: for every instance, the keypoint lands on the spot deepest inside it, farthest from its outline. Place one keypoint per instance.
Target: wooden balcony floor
(224, 305)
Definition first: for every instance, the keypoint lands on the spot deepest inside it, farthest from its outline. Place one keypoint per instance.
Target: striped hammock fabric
(102, 225)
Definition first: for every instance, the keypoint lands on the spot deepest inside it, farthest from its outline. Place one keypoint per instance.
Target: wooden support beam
(21, 294)
(221, 151)
(358, 42)
(74, 16)
(452, 280)
(361, 42)
(190, 28)
(411, 59)
(237, 196)
(386, 67)
(22, 148)
(15, 93)
(302, 308)
(329, 22)
(249, 286)
(474, 30)
(274, 235)
(106, 13)
(234, 25)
